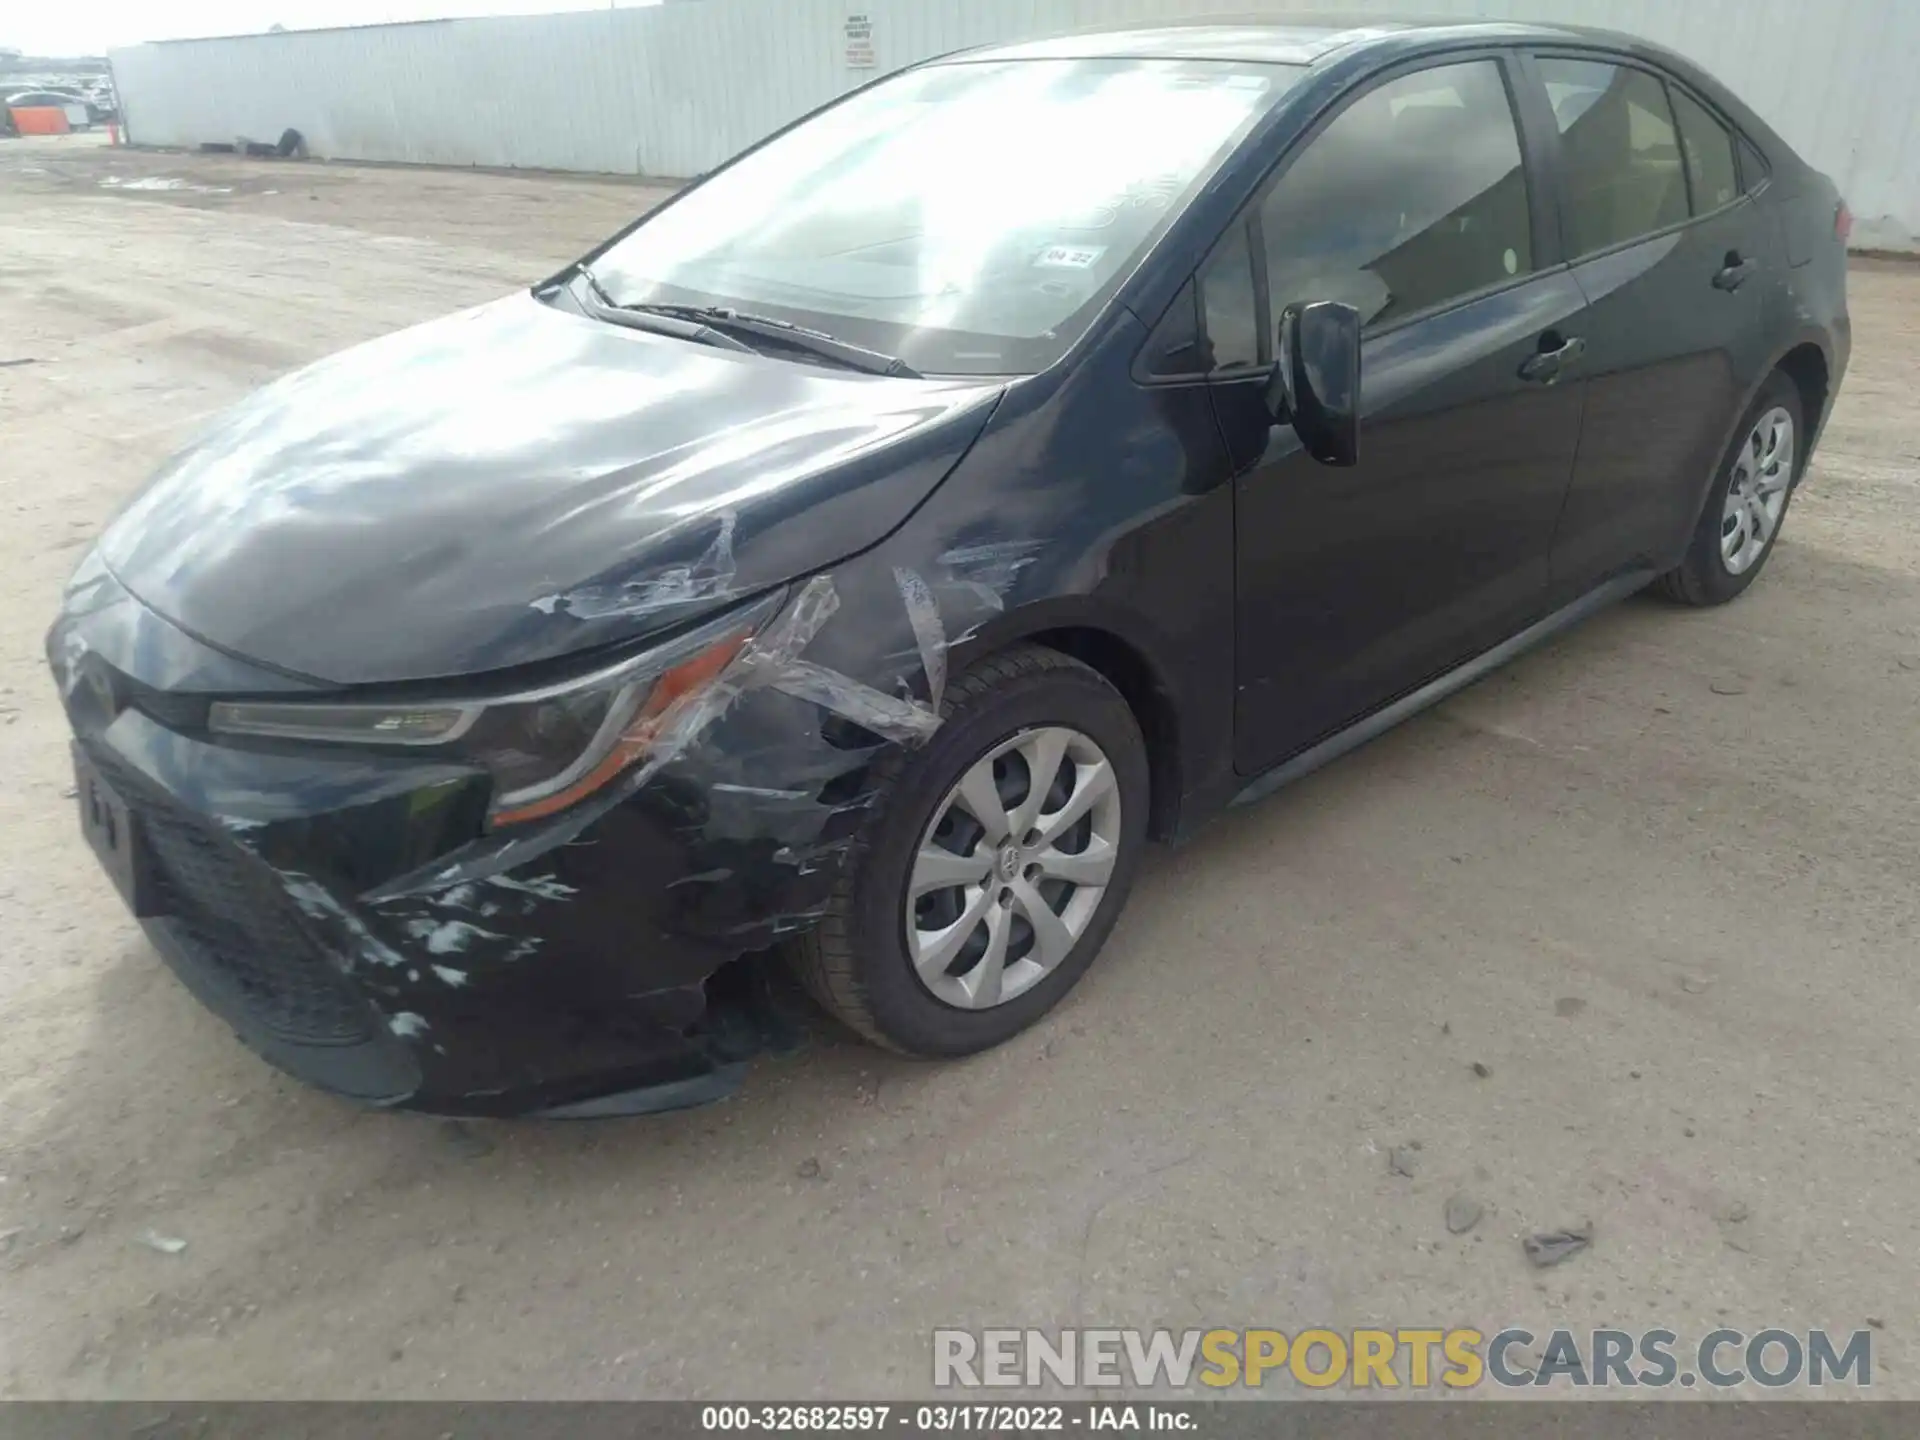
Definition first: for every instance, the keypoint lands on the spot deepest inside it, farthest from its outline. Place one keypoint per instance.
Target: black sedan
(863, 556)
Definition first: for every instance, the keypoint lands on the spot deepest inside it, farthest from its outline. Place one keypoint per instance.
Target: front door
(1672, 258)
(1354, 586)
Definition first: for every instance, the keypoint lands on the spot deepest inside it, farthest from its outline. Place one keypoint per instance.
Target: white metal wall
(673, 90)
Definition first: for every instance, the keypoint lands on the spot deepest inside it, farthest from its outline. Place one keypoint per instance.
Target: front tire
(1747, 505)
(994, 866)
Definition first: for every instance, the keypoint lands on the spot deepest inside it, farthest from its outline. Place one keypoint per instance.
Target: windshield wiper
(723, 325)
(654, 320)
(814, 342)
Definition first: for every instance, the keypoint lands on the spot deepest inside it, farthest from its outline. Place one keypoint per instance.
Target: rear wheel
(995, 865)
(1748, 503)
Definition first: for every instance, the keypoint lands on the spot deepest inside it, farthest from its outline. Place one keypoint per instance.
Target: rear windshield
(971, 218)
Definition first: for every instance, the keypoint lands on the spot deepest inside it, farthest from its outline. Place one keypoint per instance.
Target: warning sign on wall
(859, 40)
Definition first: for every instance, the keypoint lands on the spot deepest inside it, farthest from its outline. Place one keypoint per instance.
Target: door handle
(1545, 367)
(1733, 274)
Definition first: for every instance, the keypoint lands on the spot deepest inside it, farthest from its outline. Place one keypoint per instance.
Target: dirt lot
(1659, 881)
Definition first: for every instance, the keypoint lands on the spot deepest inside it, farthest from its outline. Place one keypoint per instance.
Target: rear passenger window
(1413, 195)
(1619, 153)
(1753, 167)
(1709, 150)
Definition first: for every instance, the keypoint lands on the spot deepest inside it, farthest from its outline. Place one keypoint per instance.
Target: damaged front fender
(372, 936)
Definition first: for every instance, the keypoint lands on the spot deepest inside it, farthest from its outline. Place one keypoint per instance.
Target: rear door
(1414, 203)
(1674, 260)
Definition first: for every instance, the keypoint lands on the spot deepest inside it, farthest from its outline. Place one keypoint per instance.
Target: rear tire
(1747, 506)
(878, 959)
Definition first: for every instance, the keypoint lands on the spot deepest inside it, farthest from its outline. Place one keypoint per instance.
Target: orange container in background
(40, 120)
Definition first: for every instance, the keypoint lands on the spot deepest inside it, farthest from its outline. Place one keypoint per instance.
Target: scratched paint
(994, 565)
(543, 888)
(448, 937)
(317, 903)
(708, 578)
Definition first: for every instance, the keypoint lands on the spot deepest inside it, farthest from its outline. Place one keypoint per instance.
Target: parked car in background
(99, 95)
(864, 554)
(79, 112)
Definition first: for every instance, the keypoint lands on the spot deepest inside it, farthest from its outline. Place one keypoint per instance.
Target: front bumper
(348, 917)
(561, 985)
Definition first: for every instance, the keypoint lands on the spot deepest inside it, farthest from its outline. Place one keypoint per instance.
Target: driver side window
(1413, 196)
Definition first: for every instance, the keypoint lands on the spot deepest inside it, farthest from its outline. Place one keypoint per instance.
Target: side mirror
(1316, 379)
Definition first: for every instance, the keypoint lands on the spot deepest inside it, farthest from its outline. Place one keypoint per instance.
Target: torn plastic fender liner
(923, 614)
(770, 660)
(891, 718)
(774, 660)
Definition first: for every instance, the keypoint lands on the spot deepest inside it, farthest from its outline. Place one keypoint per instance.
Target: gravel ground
(1625, 932)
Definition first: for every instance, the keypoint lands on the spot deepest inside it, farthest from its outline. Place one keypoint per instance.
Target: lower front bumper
(600, 976)
(380, 1069)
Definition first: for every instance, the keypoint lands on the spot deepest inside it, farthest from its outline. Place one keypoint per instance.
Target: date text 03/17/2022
(947, 1418)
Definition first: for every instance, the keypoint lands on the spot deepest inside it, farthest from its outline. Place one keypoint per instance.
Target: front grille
(238, 926)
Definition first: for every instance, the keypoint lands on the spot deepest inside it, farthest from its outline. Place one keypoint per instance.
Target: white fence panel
(674, 89)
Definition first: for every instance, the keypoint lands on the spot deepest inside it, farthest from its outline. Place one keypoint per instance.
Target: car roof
(1299, 40)
(1311, 39)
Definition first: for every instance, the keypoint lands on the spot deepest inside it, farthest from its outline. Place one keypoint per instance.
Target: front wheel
(997, 860)
(1748, 502)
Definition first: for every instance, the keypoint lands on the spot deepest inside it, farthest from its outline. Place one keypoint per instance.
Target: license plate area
(114, 834)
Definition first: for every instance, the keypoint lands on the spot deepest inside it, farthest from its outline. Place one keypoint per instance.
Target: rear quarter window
(1709, 150)
(1754, 170)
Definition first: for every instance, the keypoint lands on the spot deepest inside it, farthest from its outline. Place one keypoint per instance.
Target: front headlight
(546, 748)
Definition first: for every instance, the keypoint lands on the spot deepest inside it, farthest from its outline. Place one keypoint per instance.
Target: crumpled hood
(513, 483)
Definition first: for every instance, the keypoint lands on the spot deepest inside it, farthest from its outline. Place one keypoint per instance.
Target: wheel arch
(1805, 359)
(1806, 365)
(1805, 356)
(1126, 656)
(1128, 670)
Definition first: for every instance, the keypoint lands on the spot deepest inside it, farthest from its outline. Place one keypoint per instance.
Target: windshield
(970, 218)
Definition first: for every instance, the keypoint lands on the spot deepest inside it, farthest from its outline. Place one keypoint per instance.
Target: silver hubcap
(1013, 867)
(1762, 472)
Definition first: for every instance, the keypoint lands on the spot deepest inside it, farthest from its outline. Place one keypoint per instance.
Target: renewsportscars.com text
(1410, 1357)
